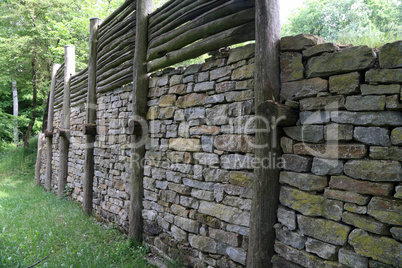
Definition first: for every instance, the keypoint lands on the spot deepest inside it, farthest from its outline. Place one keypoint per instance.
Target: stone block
(241, 53)
(235, 143)
(383, 249)
(324, 230)
(292, 68)
(217, 115)
(347, 196)
(297, 163)
(380, 89)
(178, 234)
(225, 213)
(362, 187)
(303, 181)
(203, 243)
(350, 59)
(205, 86)
(346, 84)
(244, 72)
(202, 194)
(302, 257)
(326, 166)
(237, 254)
(192, 69)
(355, 208)
(338, 132)
(180, 144)
(396, 136)
(386, 153)
(194, 113)
(309, 204)
(396, 233)
(228, 238)
(215, 175)
(241, 178)
(207, 143)
(337, 151)
(237, 161)
(319, 49)
(392, 103)
(188, 225)
(351, 259)
(372, 135)
(386, 118)
(213, 99)
(293, 239)
(365, 103)
(167, 100)
(190, 100)
(178, 89)
(398, 192)
(318, 117)
(366, 223)
(287, 217)
(374, 170)
(386, 210)
(300, 42)
(327, 103)
(391, 55)
(220, 72)
(279, 262)
(189, 202)
(208, 186)
(287, 145)
(179, 210)
(207, 159)
(166, 113)
(385, 76)
(306, 133)
(321, 249)
(179, 188)
(239, 96)
(302, 89)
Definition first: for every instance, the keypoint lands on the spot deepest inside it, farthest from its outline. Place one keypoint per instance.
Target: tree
(32, 36)
(348, 20)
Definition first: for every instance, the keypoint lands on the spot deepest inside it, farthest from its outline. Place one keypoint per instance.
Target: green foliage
(34, 224)
(370, 22)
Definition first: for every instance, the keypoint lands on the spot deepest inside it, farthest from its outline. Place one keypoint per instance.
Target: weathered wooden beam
(117, 12)
(140, 93)
(118, 74)
(90, 117)
(185, 14)
(266, 183)
(69, 70)
(197, 33)
(115, 84)
(115, 47)
(118, 30)
(49, 131)
(229, 37)
(115, 62)
(224, 10)
(38, 166)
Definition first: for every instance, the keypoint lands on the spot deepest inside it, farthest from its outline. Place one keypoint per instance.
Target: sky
(286, 7)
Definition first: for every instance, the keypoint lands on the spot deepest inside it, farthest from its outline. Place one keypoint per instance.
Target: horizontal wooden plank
(229, 37)
(167, 14)
(127, 56)
(115, 75)
(119, 29)
(115, 13)
(122, 33)
(127, 43)
(205, 30)
(117, 83)
(162, 10)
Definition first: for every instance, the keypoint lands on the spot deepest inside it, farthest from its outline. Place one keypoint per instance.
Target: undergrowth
(37, 227)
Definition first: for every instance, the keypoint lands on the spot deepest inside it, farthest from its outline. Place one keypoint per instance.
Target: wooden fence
(133, 42)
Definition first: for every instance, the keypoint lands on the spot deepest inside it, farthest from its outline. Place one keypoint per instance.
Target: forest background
(33, 34)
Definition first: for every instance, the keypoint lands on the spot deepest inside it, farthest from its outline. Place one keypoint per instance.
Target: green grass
(35, 224)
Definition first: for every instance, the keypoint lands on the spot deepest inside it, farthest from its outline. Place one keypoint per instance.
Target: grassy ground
(35, 225)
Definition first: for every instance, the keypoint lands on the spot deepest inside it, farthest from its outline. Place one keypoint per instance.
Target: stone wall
(341, 190)
(340, 196)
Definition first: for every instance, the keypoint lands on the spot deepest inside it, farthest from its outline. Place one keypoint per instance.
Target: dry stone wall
(340, 196)
(198, 164)
(341, 187)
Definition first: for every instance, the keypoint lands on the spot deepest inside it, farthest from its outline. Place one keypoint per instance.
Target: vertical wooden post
(15, 110)
(266, 87)
(38, 166)
(140, 92)
(69, 70)
(49, 132)
(90, 117)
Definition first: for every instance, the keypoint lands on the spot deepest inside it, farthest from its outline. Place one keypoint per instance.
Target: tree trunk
(34, 96)
(15, 111)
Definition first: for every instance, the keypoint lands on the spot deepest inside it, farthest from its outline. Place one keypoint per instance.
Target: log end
(89, 129)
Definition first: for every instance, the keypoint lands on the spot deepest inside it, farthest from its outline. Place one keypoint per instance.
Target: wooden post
(140, 92)
(15, 110)
(90, 117)
(38, 166)
(266, 87)
(49, 131)
(69, 70)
